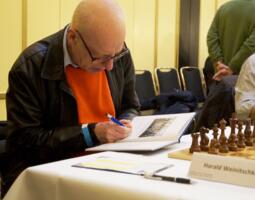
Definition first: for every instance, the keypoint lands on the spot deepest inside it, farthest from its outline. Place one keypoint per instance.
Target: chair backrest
(192, 81)
(208, 72)
(167, 79)
(144, 85)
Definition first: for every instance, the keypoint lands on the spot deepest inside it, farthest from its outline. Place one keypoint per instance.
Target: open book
(150, 133)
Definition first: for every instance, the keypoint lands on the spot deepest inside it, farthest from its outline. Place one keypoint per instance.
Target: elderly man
(62, 87)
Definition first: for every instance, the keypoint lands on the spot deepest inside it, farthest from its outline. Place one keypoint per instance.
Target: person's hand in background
(222, 70)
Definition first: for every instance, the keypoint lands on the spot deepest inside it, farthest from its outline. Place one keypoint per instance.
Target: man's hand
(222, 70)
(108, 132)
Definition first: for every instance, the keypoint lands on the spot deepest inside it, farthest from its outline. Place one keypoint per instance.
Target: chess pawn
(223, 148)
(194, 145)
(204, 140)
(248, 133)
(215, 135)
(240, 135)
(212, 148)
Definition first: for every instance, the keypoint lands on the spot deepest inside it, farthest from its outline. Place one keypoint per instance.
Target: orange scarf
(93, 95)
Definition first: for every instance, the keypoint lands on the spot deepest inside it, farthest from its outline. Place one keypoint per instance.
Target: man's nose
(109, 65)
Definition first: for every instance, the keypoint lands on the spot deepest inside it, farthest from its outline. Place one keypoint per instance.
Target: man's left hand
(222, 70)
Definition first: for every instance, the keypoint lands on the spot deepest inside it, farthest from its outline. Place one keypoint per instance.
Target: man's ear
(71, 36)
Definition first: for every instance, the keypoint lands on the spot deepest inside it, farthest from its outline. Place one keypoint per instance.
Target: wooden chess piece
(222, 128)
(204, 141)
(223, 148)
(212, 148)
(240, 135)
(232, 138)
(253, 133)
(194, 145)
(234, 118)
(215, 135)
(232, 143)
(247, 133)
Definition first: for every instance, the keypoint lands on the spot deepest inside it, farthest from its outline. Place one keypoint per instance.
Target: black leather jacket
(42, 116)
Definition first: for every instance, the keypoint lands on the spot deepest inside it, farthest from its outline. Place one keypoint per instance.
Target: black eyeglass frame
(116, 57)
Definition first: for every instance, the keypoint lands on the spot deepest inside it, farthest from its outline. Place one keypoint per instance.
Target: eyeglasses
(116, 57)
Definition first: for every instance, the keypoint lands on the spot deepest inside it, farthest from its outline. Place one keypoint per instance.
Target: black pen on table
(114, 120)
(167, 178)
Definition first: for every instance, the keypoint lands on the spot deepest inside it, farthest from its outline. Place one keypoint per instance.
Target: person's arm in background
(245, 90)
(247, 49)
(213, 42)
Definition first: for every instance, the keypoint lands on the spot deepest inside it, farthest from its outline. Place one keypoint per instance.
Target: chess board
(247, 152)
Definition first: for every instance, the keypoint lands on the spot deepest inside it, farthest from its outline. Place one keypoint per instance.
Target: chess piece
(233, 122)
(223, 148)
(194, 145)
(212, 148)
(248, 133)
(240, 135)
(204, 139)
(215, 135)
(232, 140)
(253, 133)
(222, 128)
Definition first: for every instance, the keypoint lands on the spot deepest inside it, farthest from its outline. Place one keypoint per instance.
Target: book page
(159, 127)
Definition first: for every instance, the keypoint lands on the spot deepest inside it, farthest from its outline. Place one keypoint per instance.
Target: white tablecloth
(61, 181)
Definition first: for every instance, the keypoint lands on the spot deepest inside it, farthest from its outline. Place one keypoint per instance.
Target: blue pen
(114, 120)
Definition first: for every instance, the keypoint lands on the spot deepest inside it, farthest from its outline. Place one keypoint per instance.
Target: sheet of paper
(124, 162)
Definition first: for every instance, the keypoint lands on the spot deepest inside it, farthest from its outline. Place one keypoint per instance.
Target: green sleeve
(247, 49)
(213, 41)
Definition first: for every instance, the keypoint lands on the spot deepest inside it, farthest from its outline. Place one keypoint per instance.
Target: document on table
(123, 162)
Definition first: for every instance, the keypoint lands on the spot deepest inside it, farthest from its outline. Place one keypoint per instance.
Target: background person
(230, 41)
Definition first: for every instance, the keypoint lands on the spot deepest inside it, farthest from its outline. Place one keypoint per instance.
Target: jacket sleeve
(27, 130)
(244, 92)
(213, 41)
(243, 53)
(130, 103)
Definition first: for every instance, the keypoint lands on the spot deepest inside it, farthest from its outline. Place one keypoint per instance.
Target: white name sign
(234, 170)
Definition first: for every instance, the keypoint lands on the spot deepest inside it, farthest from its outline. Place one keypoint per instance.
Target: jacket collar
(53, 67)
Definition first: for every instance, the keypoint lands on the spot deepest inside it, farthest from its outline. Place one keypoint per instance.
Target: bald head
(101, 21)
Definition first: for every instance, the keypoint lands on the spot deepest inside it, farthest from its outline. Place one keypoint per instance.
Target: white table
(61, 181)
